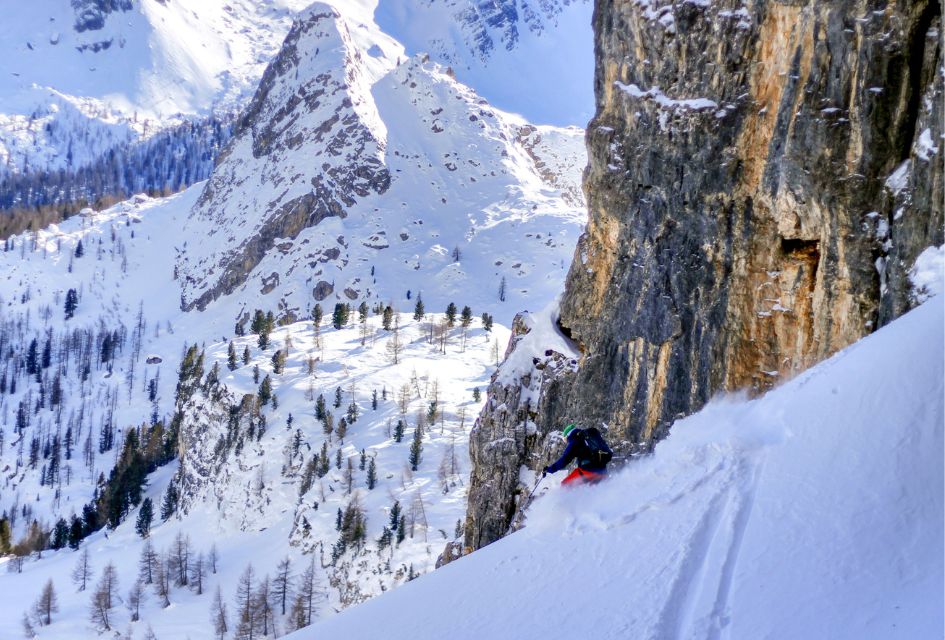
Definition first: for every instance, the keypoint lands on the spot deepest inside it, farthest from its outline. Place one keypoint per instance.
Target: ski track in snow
(697, 603)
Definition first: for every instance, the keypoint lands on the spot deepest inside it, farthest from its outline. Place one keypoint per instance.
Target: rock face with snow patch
(90, 15)
(506, 436)
(354, 169)
(741, 216)
(761, 178)
(310, 97)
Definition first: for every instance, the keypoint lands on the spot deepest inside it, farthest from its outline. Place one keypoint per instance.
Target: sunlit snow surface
(813, 512)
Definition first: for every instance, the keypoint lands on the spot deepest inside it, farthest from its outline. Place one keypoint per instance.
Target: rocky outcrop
(90, 15)
(510, 435)
(761, 179)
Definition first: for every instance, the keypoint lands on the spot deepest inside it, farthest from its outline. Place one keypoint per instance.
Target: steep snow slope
(814, 512)
(532, 58)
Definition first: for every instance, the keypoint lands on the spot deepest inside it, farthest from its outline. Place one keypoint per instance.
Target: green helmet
(568, 429)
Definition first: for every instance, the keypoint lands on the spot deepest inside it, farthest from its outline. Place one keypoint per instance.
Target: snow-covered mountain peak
(306, 150)
(342, 161)
(319, 45)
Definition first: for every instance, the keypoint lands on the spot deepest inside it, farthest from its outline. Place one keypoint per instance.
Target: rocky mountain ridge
(346, 163)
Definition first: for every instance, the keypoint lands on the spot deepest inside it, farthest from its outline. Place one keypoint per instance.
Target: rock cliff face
(761, 179)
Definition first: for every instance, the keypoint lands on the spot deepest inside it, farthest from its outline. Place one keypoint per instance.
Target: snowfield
(813, 512)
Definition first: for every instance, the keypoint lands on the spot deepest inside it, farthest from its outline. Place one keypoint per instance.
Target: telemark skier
(588, 447)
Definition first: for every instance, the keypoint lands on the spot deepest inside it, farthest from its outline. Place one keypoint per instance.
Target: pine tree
(278, 361)
(6, 535)
(145, 515)
(104, 596)
(32, 358)
(502, 286)
(169, 504)
(79, 249)
(399, 431)
(323, 462)
(418, 309)
(401, 529)
(262, 325)
(218, 615)
(416, 449)
(386, 537)
(362, 318)
(135, 598)
(342, 430)
(477, 395)
(450, 315)
(231, 361)
(246, 355)
(337, 397)
(320, 407)
(374, 400)
(388, 318)
(72, 303)
(282, 583)
(265, 391)
(340, 316)
(317, 315)
(466, 317)
(487, 322)
(60, 534)
(46, 605)
(372, 474)
(82, 572)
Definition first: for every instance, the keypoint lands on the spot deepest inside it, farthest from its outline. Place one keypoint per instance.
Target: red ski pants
(582, 476)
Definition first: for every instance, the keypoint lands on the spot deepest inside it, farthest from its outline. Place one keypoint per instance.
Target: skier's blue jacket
(576, 449)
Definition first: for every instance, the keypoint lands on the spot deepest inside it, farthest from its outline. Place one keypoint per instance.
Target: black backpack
(598, 452)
